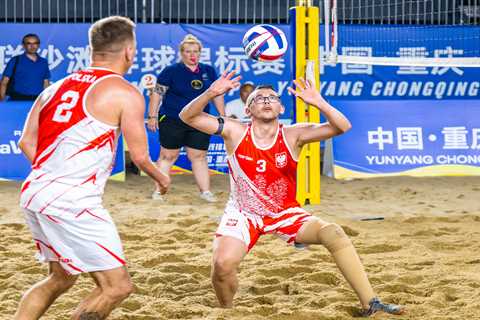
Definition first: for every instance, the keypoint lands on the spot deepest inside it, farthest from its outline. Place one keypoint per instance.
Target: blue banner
(157, 47)
(412, 137)
(365, 82)
(13, 164)
(216, 155)
(348, 86)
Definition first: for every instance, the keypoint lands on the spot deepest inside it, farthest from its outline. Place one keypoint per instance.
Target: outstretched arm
(336, 123)
(193, 115)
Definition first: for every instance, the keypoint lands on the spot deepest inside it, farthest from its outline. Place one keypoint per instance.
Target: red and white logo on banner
(148, 81)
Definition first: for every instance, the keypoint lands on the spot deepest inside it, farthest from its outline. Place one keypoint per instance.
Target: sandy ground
(424, 254)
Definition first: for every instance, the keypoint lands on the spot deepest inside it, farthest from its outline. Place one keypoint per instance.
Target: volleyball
(265, 42)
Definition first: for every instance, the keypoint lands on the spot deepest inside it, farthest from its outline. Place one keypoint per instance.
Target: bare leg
(165, 161)
(114, 286)
(343, 252)
(228, 252)
(90, 297)
(199, 168)
(38, 299)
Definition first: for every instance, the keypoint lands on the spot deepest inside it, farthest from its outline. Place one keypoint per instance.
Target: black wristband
(221, 122)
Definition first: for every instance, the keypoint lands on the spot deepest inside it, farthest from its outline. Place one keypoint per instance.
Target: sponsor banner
(157, 47)
(216, 155)
(13, 164)
(67, 52)
(365, 82)
(409, 138)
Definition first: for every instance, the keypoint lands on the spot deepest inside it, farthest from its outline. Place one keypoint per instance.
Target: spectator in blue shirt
(176, 86)
(27, 74)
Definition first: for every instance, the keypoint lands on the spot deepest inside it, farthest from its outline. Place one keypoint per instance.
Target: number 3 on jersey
(261, 165)
(62, 114)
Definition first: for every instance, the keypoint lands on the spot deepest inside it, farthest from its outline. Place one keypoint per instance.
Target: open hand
(306, 91)
(225, 83)
(152, 124)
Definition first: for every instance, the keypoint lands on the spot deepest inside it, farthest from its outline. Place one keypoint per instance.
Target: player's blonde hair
(111, 34)
(190, 39)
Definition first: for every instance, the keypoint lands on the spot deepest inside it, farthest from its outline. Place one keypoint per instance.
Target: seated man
(236, 108)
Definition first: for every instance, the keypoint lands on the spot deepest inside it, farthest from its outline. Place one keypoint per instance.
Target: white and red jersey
(263, 180)
(75, 152)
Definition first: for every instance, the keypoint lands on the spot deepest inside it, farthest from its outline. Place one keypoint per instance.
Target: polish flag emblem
(281, 159)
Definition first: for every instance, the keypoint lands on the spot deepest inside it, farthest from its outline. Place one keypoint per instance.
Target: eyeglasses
(32, 43)
(262, 99)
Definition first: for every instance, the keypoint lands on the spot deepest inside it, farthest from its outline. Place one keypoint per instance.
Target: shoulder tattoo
(160, 89)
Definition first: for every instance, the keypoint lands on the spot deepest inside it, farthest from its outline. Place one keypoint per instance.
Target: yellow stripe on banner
(430, 171)
(173, 170)
(180, 170)
(125, 145)
(118, 176)
(121, 176)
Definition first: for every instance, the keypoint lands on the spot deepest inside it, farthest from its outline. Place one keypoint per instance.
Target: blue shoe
(377, 305)
(300, 246)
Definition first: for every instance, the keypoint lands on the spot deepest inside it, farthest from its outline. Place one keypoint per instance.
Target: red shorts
(248, 228)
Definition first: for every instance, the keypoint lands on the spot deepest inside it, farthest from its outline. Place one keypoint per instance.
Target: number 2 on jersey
(69, 100)
(261, 165)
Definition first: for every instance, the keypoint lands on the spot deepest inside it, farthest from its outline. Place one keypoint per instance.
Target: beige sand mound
(425, 254)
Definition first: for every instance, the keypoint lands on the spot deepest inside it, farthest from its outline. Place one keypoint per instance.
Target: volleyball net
(395, 32)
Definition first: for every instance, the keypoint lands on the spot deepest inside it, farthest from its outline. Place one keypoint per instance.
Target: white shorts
(84, 242)
(248, 228)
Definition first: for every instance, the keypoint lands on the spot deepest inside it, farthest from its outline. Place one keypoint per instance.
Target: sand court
(424, 254)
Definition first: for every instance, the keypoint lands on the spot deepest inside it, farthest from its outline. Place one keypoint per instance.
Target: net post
(298, 25)
(305, 37)
(313, 74)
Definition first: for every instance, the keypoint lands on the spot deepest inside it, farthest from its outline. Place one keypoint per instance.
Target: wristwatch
(152, 117)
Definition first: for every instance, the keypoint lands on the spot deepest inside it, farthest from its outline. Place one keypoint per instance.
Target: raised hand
(306, 91)
(225, 83)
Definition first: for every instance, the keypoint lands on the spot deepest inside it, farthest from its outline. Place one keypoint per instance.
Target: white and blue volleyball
(265, 42)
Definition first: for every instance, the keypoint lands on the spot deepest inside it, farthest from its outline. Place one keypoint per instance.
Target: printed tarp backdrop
(375, 98)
